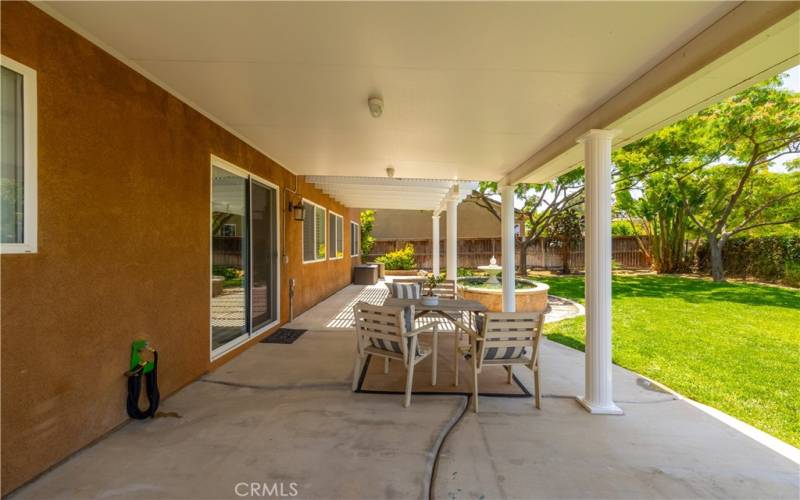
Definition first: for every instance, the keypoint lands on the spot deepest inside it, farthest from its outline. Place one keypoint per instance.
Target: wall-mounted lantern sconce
(298, 211)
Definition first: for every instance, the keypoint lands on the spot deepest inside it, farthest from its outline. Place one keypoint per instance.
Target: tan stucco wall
(473, 222)
(124, 186)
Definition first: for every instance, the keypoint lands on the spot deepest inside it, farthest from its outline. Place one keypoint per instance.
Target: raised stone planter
(533, 299)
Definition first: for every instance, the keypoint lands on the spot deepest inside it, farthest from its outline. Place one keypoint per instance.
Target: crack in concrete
(285, 387)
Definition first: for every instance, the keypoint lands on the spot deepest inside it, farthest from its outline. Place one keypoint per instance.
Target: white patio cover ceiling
(407, 194)
(473, 90)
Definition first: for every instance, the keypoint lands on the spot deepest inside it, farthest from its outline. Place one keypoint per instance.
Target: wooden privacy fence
(474, 252)
(227, 251)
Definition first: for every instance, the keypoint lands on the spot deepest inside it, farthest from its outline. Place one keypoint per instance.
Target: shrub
(229, 273)
(791, 273)
(621, 228)
(367, 220)
(465, 272)
(767, 258)
(399, 259)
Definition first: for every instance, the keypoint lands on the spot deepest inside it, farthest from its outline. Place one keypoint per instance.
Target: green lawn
(735, 347)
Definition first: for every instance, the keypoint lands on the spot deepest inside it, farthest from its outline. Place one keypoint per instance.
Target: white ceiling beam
(381, 187)
(378, 201)
(743, 23)
(395, 206)
(380, 191)
(377, 192)
(382, 181)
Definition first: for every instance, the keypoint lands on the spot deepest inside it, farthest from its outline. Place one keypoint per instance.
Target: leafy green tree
(748, 132)
(541, 204)
(624, 228)
(712, 174)
(367, 240)
(651, 198)
(564, 228)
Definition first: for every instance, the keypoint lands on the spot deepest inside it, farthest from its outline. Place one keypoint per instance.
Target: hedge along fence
(474, 252)
(767, 258)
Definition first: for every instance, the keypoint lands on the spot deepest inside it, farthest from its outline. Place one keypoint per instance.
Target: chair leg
(409, 382)
(356, 371)
(474, 384)
(509, 369)
(456, 364)
(538, 389)
(435, 354)
(385, 366)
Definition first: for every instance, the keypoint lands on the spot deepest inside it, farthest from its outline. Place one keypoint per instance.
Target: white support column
(452, 238)
(597, 162)
(507, 245)
(435, 245)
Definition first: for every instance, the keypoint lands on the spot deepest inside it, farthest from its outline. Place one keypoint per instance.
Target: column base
(595, 409)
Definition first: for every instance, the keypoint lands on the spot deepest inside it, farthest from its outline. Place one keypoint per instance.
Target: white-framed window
(314, 232)
(336, 236)
(18, 228)
(228, 230)
(355, 239)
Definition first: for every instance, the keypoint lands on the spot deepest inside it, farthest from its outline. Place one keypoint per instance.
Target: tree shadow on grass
(567, 341)
(692, 290)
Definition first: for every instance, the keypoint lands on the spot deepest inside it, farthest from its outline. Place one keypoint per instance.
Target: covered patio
(286, 414)
(270, 117)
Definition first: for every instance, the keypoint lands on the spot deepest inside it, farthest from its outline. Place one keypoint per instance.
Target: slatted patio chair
(501, 339)
(388, 332)
(447, 289)
(393, 291)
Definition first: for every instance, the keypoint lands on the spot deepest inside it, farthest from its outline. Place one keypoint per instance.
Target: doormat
(284, 336)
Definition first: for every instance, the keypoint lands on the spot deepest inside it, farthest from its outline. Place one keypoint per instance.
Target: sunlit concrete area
(284, 416)
(188, 200)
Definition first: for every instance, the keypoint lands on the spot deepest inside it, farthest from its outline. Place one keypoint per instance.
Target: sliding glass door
(244, 254)
(264, 262)
(229, 249)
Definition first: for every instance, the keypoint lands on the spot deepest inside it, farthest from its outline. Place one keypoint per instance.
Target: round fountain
(492, 270)
(529, 295)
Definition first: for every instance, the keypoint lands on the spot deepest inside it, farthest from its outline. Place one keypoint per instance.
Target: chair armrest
(430, 328)
(461, 326)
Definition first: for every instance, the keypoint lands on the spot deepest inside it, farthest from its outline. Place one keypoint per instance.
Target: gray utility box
(365, 274)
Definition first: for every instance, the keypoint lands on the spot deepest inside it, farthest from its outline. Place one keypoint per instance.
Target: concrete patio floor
(285, 414)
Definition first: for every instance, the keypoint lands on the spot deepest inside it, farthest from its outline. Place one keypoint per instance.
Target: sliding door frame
(276, 256)
(243, 339)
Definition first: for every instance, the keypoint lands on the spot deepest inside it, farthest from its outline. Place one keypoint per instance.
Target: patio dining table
(447, 309)
(444, 308)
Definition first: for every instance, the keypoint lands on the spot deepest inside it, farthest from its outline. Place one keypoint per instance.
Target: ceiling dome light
(375, 106)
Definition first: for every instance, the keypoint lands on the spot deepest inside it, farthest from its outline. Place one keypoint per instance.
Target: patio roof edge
(685, 70)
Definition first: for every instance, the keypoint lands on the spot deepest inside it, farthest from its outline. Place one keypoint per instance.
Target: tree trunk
(565, 253)
(715, 251)
(523, 258)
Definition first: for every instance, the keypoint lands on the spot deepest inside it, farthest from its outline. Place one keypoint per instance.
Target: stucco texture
(473, 222)
(123, 204)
